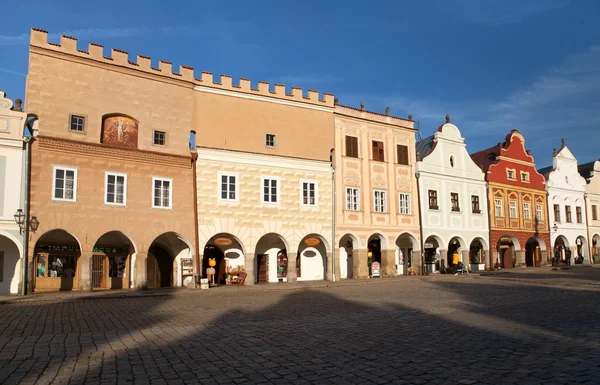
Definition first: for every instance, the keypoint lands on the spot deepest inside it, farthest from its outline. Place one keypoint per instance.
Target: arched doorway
(456, 245)
(311, 261)
(596, 248)
(165, 255)
(581, 253)
(111, 261)
(405, 245)
(561, 245)
(348, 243)
(228, 253)
(477, 254)
(507, 248)
(533, 251)
(271, 262)
(375, 245)
(10, 269)
(433, 259)
(56, 261)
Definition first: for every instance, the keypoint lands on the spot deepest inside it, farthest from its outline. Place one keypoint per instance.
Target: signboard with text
(375, 269)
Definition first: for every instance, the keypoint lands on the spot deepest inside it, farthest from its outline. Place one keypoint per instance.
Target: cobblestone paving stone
(526, 327)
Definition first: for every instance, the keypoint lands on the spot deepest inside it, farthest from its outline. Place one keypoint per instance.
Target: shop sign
(57, 248)
(506, 239)
(428, 245)
(110, 249)
(312, 241)
(204, 283)
(375, 269)
(223, 241)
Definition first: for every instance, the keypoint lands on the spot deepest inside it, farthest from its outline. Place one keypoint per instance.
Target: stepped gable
(95, 52)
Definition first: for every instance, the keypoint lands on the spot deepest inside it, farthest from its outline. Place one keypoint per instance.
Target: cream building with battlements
(377, 214)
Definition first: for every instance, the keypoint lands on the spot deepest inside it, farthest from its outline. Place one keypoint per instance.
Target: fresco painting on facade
(119, 130)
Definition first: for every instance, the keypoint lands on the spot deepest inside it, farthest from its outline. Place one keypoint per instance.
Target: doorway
(263, 268)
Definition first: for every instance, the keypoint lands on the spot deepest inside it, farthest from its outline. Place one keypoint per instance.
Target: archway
(456, 245)
(311, 261)
(111, 261)
(533, 251)
(405, 245)
(10, 269)
(166, 253)
(507, 247)
(561, 245)
(228, 253)
(271, 262)
(596, 248)
(56, 261)
(581, 253)
(433, 259)
(375, 245)
(477, 254)
(348, 243)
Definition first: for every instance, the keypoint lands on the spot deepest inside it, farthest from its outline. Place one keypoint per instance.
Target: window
(402, 154)
(116, 189)
(510, 174)
(309, 193)
(526, 211)
(475, 204)
(380, 201)
(65, 184)
(228, 187)
(270, 140)
(568, 214)
(556, 213)
(539, 214)
(352, 146)
(161, 192)
(352, 199)
(579, 214)
(270, 190)
(454, 201)
(433, 203)
(77, 123)
(594, 212)
(404, 204)
(160, 138)
(378, 154)
(498, 208)
(451, 161)
(512, 207)
(524, 176)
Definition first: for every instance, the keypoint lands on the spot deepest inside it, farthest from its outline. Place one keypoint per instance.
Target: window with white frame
(116, 189)
(539, 214)
(380, 201)
(161, 192)
(512, 207)
(404, 204)
(526, 211)
(270, 190)
(77, 123)
(65, 184)
(309, 193)
(270, 140)
(510, 173)
(498, 206)
(352, 199)
(228, 187)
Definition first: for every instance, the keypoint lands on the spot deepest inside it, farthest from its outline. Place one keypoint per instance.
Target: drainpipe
(194, 154)
(333, 247)
(421, 246)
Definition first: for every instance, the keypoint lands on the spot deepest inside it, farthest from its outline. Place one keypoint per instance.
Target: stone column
(329, 267)
(465, 258)
(141, 271)
(444, 259)
(85, 271)
(487, 259)
(292, 276)
(416, 261)
(520, 258)
(249, 266)
(388, 262)
(360, 269)
(544, 256)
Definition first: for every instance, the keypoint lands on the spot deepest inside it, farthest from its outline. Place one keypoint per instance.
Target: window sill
(434, 207)
(115, 204)
(64, 200)
(78, 132)
(456, 210)
(162, 208)
(476, 212)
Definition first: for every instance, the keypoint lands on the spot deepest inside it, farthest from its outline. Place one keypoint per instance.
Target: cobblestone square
(531, 326)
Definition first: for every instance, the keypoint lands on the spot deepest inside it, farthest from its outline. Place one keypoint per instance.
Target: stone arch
(533, 248)
(406, 244)
(507, 248)
(311, 259)
(164, 259)
(57, 263)
(229, 254)
(478, 251)
(348, 245)
(271, 258)
(12, 250)
(112, 261)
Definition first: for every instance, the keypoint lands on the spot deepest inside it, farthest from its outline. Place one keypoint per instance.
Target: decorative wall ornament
(379, 181)
(120, 130)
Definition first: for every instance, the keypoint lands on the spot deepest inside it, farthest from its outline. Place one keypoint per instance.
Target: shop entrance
(228, 253)
(561, 245)
(533, 253)
(160, 267)
(110, 261)
(346, 252)
(271, 259)
(56, 262)
(163, 266)
(506, 252)
(311, 261)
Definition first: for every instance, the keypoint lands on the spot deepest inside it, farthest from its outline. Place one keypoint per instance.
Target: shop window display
(55, 266)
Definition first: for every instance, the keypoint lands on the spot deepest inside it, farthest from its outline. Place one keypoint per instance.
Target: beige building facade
(377, 214)
(111, 169)
(591, 172)
(264, 182)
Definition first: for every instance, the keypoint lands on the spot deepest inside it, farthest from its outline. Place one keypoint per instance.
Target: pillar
(487, 259)
(141, 279)
(415, 261)
(388, 262)
(329, 267)
(444, 259)
(292, 274)
(545, 258)
(85, 271)
(520, 259)
(465, 258)
(249, 266)
(360, 268)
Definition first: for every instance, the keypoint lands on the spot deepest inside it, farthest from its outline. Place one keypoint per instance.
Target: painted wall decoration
(120, 130)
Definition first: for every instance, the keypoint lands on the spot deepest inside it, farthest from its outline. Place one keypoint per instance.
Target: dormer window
(524, 176)
(511, 174)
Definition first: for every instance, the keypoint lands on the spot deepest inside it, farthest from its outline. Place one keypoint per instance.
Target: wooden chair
(240, 279)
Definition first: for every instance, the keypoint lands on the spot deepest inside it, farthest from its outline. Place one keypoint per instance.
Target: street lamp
(20, 219)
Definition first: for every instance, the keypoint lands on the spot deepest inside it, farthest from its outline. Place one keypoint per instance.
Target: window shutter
(349, 146)
(402, 154)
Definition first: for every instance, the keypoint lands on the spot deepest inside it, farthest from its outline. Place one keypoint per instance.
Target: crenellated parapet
(374, 116)
(95, 52)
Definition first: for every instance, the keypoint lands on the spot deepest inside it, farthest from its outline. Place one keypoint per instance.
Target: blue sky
(493, 65)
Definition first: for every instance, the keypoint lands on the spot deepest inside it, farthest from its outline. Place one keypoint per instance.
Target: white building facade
(453, 201)
(591, 172)
(11, 159)
(566, 207)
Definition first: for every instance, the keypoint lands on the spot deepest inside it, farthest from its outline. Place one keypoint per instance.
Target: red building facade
(519, 229)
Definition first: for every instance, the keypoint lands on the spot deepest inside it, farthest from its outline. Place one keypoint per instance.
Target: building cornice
(515, 188)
